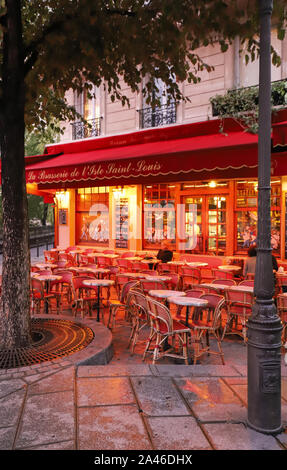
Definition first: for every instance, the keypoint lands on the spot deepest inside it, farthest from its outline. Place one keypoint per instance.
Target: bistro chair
(166, 268)
(122, 302)
(250, 276)
(282, 312)
(208, 325)
(146, 285)
(138, 315)
(84, 297)
(137, 266)
(50, 256)
(163, 329)
(104, 262)
(174, 282)
(120, 281)
(150, 272)
(62, 288)
(239, 309)
(39, 297)
(206, 274)
(219, 274)
(282, 283)
(109, 252)
(196, 293)
(124, 264)
(189, 276)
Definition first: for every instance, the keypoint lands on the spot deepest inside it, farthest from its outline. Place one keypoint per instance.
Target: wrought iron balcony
(158, 116)
(92, 128)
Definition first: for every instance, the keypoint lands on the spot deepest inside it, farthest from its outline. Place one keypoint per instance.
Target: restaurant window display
(92, 216)
(159, 215)
(246, 214)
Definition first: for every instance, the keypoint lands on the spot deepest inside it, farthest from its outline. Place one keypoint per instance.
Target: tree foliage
(71, 44)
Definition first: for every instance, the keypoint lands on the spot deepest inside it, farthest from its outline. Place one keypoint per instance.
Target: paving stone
(8, 386)
(46, 419)
(55, 382)
(180, 433)
(158, 396)
(63, 445)
(212, 400)
(10, 408)
(239, 437)
(7, 438)
(196, 370)
(95, 391)
(114, 370)
(111, 428)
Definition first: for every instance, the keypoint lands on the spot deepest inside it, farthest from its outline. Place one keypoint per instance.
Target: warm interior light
(62, 198)
(212, 184)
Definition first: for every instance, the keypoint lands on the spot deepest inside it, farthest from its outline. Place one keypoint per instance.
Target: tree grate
(52, 339)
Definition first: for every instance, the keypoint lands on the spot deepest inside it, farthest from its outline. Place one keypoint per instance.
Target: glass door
(205, 217)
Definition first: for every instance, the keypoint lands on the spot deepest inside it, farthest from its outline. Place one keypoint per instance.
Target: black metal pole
(264, 325)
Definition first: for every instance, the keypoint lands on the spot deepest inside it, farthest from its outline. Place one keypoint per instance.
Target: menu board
(122, 223)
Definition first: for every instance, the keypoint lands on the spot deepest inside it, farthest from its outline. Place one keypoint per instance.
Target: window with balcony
(87, 104)
(164, 113)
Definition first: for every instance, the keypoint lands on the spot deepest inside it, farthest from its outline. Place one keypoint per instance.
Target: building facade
(136, 175)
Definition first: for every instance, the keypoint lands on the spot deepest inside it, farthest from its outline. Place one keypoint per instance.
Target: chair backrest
(219, 274)
(282, 307)
(174, 281)
(104, 262)
(137, 266)
(66, 275)
(224, 282)
(37, 287)
(237, 297)
(282, 280)
(250, 276)
(216, 303)
(160, 314)
(247, 283)
(147, 285)
(150, 272)
(124, 263)
(84, 259)
(109, 252)
(77, 283)
(127, 254)
(166, 268)
(194, 293)
(121, 280)
(125, 290)
(44, 271)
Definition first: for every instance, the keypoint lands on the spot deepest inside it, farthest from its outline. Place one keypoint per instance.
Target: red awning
(280, 134)
(197, 150)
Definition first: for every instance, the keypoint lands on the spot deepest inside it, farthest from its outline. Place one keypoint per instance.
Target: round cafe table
(165, 294)
(136, 275)
(196, 264)
(77, 254)
(45, 265)
(229, 267)
(188, 302)
(99, 283)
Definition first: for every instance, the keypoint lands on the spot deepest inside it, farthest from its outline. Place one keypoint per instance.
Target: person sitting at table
(164, 254)
(250, 262)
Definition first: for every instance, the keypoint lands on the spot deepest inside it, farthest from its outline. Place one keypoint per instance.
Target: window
(246, 214)
(159, 215)
(87, 104)
(92, 216)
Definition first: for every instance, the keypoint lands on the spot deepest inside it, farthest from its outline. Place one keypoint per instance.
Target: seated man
(165, 254)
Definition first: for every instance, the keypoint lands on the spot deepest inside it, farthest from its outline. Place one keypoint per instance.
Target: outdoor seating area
(181, 310)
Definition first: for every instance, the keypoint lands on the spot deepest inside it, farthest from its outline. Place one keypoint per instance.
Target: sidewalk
(141, 407)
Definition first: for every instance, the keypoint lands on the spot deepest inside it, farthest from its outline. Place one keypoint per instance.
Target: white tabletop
(165, 293)
(210, 285)
(188, 301)
(48, 277)
(242, 288)
(179, 263)
(135, 275)
(229, 267)
(104, 255)
(98, 282)
(45, 265)
(157, 278)
(196, 264)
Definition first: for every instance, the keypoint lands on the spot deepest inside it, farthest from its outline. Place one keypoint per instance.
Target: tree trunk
(15, 302)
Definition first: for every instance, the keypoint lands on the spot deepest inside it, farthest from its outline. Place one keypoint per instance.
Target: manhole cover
(52, 339)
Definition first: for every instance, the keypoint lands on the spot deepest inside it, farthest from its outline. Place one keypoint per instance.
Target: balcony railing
(81, 130)
(158, 116)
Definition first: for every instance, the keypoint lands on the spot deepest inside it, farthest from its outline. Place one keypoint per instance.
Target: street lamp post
(264, 325)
